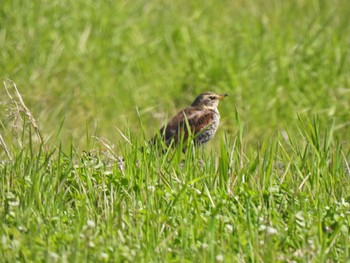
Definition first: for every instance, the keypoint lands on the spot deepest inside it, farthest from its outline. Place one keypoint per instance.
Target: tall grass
(79, 183)
(285, 200)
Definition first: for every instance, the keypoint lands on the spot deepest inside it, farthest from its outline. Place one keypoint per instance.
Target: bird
(200, 120)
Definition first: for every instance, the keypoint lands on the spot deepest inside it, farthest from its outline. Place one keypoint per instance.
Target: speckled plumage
(202, 118)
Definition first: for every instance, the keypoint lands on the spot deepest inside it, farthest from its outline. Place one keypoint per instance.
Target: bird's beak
(221, 96)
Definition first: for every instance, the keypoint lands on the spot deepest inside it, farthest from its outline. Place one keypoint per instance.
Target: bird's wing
(197, 119)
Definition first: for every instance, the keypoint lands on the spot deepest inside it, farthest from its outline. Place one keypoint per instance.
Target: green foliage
(91, 64)
(287, 200)
(273, 185)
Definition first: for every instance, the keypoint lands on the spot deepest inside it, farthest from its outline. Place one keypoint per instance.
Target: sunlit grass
(99, 79)
(286, 200)
(91, 65)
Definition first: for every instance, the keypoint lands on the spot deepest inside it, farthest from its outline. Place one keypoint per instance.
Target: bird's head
(209, 100)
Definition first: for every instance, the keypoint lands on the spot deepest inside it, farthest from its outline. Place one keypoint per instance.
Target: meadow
(96, 80)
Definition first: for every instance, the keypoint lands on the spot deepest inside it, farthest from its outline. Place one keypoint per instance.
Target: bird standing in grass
(201, 120)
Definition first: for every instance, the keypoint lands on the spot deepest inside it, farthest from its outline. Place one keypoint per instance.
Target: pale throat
(211, 107)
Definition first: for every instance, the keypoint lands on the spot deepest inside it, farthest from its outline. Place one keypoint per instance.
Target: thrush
(201, 120)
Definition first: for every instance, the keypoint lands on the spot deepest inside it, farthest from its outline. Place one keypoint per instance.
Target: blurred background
(94, 66)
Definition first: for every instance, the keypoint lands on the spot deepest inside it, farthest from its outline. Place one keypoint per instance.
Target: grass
(98, 79)
(91, 64)
(284, 201)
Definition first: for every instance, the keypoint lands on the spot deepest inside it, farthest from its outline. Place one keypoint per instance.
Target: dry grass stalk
(3, 144)
(20, 107)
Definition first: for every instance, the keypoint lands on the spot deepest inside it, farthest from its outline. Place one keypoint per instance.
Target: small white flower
(151, 188)
(344, 203)
(205, 245)
(272, 231)
(219, 258)
(262, 227)
(229, 228)
(91, 224)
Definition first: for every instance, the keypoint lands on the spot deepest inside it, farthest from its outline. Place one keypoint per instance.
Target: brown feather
(198, 118)
(201, 119)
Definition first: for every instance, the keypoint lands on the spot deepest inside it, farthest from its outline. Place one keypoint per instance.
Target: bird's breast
(209, 131)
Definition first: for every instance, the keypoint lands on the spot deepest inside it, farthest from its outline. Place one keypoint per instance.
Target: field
(96, 80)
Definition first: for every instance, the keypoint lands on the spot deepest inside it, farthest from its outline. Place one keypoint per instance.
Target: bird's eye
(212, 97)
